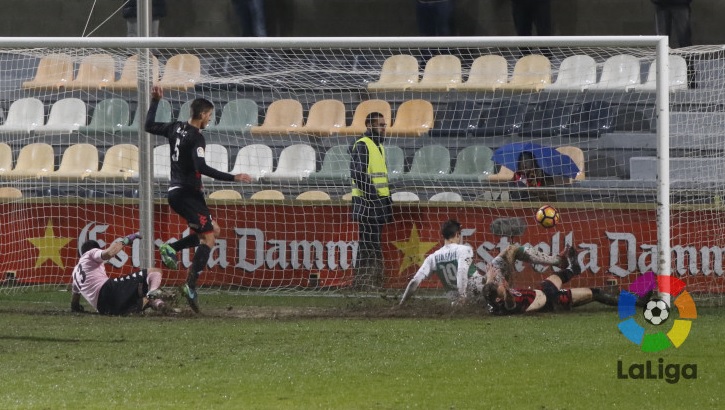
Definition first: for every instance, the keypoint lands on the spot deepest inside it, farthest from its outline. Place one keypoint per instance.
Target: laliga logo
(656, 312)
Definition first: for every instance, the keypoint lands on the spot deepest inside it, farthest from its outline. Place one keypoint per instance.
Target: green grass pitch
(250, 352)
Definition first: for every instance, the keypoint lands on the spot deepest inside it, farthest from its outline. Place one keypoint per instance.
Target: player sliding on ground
(453, 264)
(186, 196)
(119, 296)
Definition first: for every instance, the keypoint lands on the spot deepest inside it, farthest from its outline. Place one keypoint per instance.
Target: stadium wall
(349, 18)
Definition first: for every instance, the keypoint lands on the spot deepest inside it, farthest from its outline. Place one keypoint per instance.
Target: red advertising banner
(284, 245)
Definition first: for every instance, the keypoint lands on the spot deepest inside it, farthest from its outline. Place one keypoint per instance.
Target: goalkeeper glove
(130, 238)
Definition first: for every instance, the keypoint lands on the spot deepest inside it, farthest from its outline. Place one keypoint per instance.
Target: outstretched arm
(422, 273)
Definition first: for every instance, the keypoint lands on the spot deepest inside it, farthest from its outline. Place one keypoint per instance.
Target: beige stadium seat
(8, 192)
(34, 160)
(225, 194)
(120, 162)
(268, 195)
(487, 73)
(576, 154)
(326, 117)
(54, 71)
(23, 116)
(347, 197)
(282, 117)
(129, 75)
(398, 73)
(413, 119)
(313, 196)
(95, 71)
(66, 115)
(182, 72)
(531, 73)
(78, 161)
(6, 158)
(442, 73)
(361, 113)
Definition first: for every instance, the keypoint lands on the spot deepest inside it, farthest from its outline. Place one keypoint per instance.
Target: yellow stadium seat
(398, 73)
(34, 160)
(225, 194)
(8, 192)
(95, 71)
(413, 119)
(120, 162)
(78, 161)
(442, 73)
(282, 117)
(313, 196)
(361, 113)
(487, 73)
(54, 71)
(531, 73)
(182, 72)
(129, 75)
(326, 117)
(268, 195)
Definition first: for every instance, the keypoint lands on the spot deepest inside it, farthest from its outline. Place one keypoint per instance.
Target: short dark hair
(450, 228)
(88, 245)
(199, 106)
(372, 116)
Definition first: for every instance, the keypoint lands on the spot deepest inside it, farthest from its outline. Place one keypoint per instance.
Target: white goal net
(75, 164)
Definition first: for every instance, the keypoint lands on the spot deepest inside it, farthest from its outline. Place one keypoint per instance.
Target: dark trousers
(251, 13)
(530, 13)
(434, 17)
(369, 271)
(674, 21)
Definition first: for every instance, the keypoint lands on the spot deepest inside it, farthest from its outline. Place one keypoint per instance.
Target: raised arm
(151, 126)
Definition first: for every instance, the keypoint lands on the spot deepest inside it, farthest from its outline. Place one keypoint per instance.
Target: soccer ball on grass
(547, 216)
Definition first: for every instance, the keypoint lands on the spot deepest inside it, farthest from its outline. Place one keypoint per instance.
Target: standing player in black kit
(185, 195)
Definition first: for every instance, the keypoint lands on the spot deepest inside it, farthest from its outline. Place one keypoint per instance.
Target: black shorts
(123, 295)
(190, 204)
(555, 297)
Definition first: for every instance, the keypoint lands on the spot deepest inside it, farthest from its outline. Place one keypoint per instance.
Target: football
(547, 216)
(656, 311)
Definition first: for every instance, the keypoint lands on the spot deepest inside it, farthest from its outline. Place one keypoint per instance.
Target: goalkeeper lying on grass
(119, 296)
(453, 264)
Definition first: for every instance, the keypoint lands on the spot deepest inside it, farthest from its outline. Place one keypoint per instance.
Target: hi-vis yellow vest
(377, 169)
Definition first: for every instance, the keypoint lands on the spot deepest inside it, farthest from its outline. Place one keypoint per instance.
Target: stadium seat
(255, 160)
(487, 73)
(501, 118)
(162, 162)
(163, 114)
(34, 160)
(576, 73)
(78, 161)
(119, 163)
(531, 73)
(325, 118)
(618, 73)
(66, 116)
(53, 71)
(398, 73)
(473, 163)
(128, 81)
(592, 119)
(412, 119)
(313, 196)
(238, 116)
(296, 162)
(678, 76)
(282, 117)
(394, 160)
(217, 157)
(110, 116)
(335, 165)
(95, 71)
(347, 197)
(404, 196)
(576, 154)
(442, 73)
(225, 194)
(361, 113)
(446, 197)
(6, 158)
(182, 72)
(429, 162)
(23, 116)
(8, 192)
(267, 195)
(551, 117)
(460, 118)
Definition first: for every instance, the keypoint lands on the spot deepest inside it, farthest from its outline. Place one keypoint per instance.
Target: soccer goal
(601, 118)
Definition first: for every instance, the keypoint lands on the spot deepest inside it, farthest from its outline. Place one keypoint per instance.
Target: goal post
(616, 211)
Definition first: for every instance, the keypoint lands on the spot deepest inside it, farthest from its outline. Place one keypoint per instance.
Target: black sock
(201, 257)
(604, 298)
(188, 241)
(566, 275)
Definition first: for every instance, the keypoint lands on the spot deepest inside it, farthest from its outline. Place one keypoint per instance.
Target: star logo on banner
(49, 246)
(413, 249)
